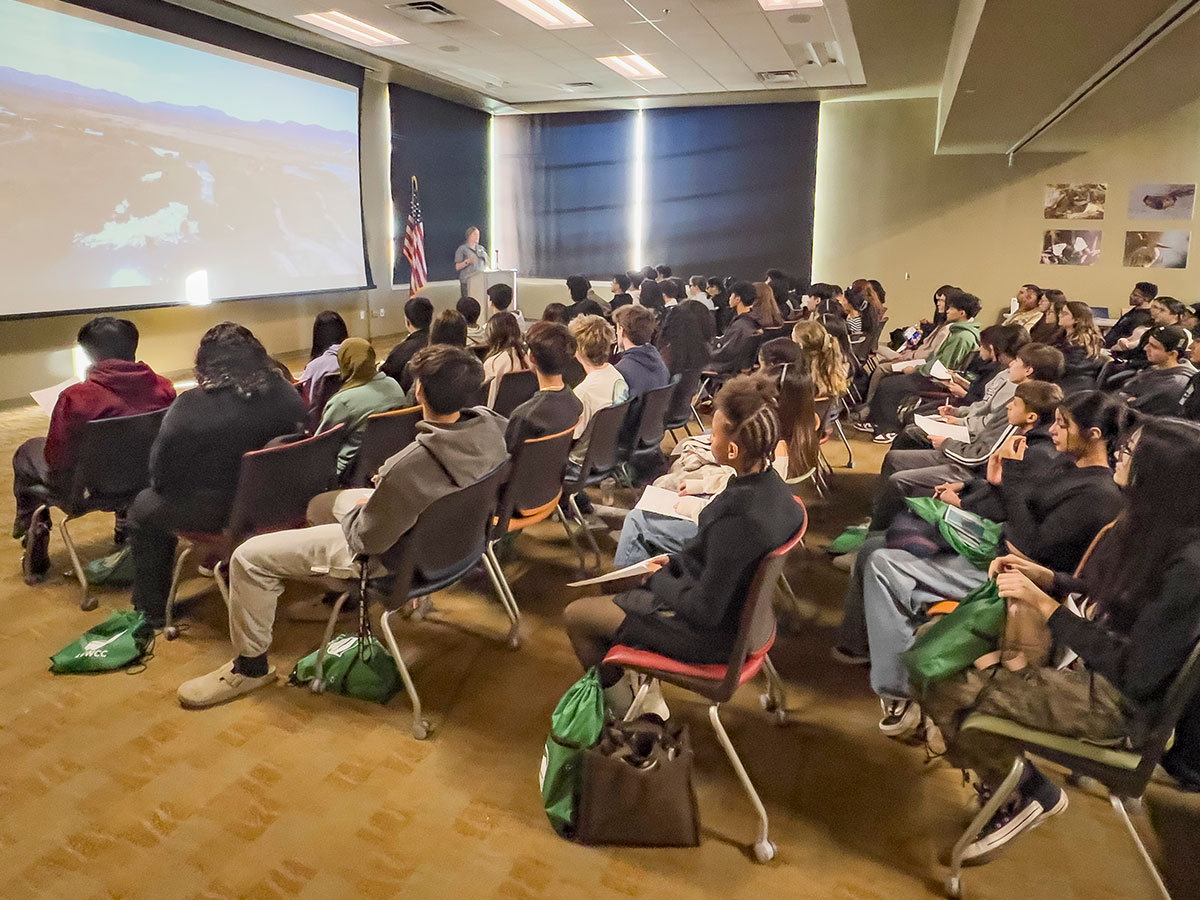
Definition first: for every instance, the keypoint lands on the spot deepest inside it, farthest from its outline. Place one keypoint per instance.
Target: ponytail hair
(823, 358)
(748, 402)
(1107, 414)
(783, 362)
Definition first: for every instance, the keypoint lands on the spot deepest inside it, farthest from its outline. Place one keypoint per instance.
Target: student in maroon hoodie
(116, 385)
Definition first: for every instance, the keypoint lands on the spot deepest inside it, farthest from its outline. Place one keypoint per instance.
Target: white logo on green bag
(93, 648)
(338, 646)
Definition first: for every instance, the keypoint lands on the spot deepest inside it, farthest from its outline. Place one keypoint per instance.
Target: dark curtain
(446, 146)
(730, 189)
(567, 186)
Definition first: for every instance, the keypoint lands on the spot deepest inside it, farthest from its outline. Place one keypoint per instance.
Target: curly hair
(229, 355)
(823, 358)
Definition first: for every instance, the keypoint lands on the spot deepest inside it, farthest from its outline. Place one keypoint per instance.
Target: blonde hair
(823, 357)
(594, 337)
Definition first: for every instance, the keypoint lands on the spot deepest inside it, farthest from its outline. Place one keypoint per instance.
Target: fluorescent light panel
(633, 67)
(349, 27)
(551, 14)
(772, 5)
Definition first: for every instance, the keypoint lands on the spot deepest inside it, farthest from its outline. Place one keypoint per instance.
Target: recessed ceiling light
(548, 13)
(772, 5)
(632, 67)
(350, 27)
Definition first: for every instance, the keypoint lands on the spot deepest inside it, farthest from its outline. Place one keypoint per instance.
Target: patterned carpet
(110, 791)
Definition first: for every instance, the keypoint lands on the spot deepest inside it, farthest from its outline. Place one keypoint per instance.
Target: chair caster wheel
(170, 632)
(767, 702)
(514, 642)
(764, 851)
(954, 887)
(317, 686)
(781, 717)
(88, 604)
(420, 730)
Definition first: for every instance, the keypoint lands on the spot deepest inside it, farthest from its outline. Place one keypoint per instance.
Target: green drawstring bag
(972, 537)
(355, 665)
(952, 643)
(848, 541)
(115, 570)
(574, 727)
(120, 640)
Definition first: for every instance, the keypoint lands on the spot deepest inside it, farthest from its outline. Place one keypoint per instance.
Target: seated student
(715, 289)
(1048, 330)
(673, 291)
(1142, 583)
(620, 291)
(662, 273)
(1082, 347)
(685, 336)
(364, 391)
(861, 319)
(637, 359)
(691, 606)
(961, 341)
(781, 287)
(1156, 391)
(450, 328)
(823, 359)
(697, 289)
(418, 314)
(555, 312)
(500, 299)
(468, 308)
(455, 447)
(239, 404)
(1138, 315)
(928, 338)
(1052, 514)
(912, 473)
(329, 330)
(554, 407)
(116, 385)
(1028, 311)
(765, 308)
(697, 477)
(735, 350)
(1163, 311)
(505, 352)
(603, 385)
(651, 296)
(581, 304)
(1189, 400)
(999, 344)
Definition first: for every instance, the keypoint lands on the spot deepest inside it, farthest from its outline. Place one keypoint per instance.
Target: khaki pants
(260, 567)
(1063, 702)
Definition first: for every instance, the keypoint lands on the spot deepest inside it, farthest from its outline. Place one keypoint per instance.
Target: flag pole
(412, 193)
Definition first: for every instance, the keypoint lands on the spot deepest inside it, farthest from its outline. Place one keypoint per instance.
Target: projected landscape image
(157, 160)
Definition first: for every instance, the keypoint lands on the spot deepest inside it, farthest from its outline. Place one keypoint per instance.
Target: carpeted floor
(110, 790)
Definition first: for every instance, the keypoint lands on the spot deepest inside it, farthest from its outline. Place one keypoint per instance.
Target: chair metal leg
(170, 630)
(86, 601)
(775, 698)
(317, 685)
(696, 415)
(1118, 803)
(837, 423)
(571, 537)
(507, 600)
(222, 581)
(639, 699)
(586, 533)
(420, 727)
(999, 798)
(764, 850)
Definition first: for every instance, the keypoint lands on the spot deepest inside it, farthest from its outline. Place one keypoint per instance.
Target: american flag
(414, 244)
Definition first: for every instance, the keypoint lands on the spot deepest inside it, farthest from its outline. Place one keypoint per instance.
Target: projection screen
(139, 168)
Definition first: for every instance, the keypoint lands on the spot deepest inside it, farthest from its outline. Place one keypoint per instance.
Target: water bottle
(608, 492)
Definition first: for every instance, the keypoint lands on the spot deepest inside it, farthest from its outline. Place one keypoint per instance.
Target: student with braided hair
(690, 606)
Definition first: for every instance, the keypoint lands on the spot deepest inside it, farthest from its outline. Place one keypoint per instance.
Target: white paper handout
(669, 503)
(930, 425)
(639, 568)
(47, 397)
(940, 372)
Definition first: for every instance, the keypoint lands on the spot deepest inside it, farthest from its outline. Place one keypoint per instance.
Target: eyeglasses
(1125, 451)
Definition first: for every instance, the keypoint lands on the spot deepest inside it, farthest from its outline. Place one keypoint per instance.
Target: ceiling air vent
(579, 87)
(779, 76)
(425, 12)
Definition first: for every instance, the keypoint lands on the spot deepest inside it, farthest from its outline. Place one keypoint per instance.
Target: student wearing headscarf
(364, 391)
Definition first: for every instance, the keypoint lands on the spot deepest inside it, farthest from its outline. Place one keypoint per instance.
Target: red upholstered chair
(718, 683)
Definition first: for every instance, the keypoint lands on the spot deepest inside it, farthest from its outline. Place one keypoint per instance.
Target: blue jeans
(647, 534)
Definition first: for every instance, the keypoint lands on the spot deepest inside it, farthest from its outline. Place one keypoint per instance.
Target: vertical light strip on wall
(637, 234)
(492, 236)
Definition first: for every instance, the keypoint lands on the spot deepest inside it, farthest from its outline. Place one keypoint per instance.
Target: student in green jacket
(364, 391)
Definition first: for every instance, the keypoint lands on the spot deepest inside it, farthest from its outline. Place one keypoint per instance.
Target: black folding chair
(274, 487)
(644, 453)
(448, 540)
(513, 389)
(386, 434)
(112, 467)
(682, 412)
(599, 462)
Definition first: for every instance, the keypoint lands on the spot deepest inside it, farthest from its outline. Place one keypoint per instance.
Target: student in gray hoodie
(455, 447)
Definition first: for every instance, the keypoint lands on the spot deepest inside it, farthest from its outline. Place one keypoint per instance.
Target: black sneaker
(35, 561)
(1031, 804)
(848, 657)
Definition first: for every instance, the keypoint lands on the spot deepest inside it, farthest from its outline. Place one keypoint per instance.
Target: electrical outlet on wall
(382, 311)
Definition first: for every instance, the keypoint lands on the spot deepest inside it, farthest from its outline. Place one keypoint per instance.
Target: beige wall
(887, 208)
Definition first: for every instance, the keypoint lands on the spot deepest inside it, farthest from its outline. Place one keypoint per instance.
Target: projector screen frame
(165, 16)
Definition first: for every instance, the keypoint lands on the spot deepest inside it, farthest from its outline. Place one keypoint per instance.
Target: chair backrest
(322, 389)
(513, 389)
(535, 477)
(680, 409)
(779, 331)
(758, 614)
(653, 416)
(603, 450)
(276, 483)
(1179, 694)
(450, 535)
(822, 407)
(479, 398)
(386, 434)
(113, 462)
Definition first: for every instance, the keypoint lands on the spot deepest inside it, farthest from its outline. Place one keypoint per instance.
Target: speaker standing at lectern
(469, 259)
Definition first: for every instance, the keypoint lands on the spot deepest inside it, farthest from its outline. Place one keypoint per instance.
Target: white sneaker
(654, 703)
(886, 438)
(901, 718)
(619, 697)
